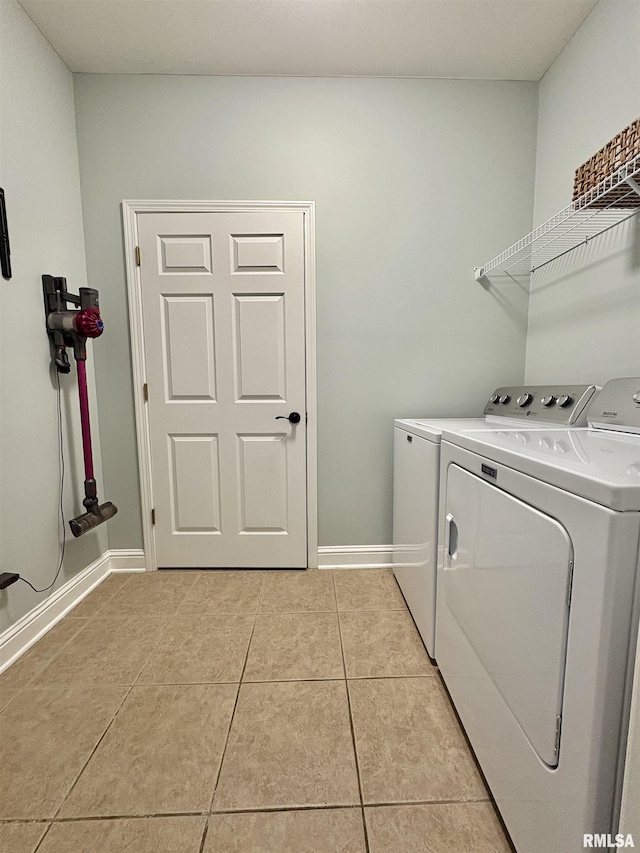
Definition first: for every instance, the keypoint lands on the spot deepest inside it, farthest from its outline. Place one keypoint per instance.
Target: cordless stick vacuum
(72, 328)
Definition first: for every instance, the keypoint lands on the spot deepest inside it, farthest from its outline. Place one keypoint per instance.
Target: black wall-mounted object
(5, 251)
(70, 327)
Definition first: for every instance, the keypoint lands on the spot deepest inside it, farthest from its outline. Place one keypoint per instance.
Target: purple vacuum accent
(84, 419)
(72, 328)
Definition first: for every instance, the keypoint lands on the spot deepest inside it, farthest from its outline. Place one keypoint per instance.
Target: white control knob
(636, 397)
(494, 398)
(505, 399)
(524, 399)
(548, 401)
(564, 400)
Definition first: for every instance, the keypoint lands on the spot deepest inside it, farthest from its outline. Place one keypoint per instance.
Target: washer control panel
(617, 406)
(563, 405)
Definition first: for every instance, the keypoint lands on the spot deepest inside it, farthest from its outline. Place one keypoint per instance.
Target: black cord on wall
(62, 533)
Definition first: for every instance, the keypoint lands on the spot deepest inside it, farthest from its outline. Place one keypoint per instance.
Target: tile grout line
(252, 810)
(408, 610)
(82, 769)
(95, 615)
(351, 725)
(111, 722)
(196, 577)
(92, 753)
(117, 711)
(291, 612)
(165, 627)
(30, 682)
(203, 840)
(309, 680)
(13, 698)
(207, 815)
(138, 612)
(470, 748)
(44, 835)
(235, 704)
(409, 803)
(373, 610)
(84, 624)
(104, 603)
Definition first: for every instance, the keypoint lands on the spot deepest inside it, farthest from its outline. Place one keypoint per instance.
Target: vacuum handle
(85, 423)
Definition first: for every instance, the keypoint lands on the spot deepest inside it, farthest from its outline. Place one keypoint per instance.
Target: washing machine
(416, 475)
(537, 613)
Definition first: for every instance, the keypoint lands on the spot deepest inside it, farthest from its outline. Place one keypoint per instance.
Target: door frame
(131, 208)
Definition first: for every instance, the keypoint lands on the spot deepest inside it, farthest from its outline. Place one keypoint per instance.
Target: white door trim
(130, 211)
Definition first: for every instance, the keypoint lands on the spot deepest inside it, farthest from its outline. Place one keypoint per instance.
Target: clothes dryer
(537, 613)
(417, 472)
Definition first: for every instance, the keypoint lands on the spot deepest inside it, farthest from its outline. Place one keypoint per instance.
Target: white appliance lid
(617, 406)
(599, 465)
(432, 428)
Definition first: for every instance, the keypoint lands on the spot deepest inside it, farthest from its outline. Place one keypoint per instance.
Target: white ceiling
(489, 39)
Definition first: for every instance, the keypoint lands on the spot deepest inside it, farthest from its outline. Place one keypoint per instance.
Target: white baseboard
(355, 557)
(15, 641)
(127, 560)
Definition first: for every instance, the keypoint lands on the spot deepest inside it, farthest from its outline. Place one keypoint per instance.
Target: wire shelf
(611, 202)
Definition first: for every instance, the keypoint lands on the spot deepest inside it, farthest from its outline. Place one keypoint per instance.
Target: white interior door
(224, 339)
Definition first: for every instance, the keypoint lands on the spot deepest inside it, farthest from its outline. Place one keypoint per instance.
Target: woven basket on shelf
(620, 150)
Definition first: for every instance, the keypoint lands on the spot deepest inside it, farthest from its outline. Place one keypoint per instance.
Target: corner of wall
(40, 173)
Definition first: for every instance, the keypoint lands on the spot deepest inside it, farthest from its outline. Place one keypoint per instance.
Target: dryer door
(506, 581)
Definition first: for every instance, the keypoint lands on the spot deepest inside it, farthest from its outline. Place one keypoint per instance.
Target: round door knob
(495, 397)
(564, 400)
(505, 399)
(293, 418)
(548, 401)
(524, 399)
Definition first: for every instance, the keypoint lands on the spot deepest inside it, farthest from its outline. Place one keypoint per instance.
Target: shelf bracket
(479, 273)
(635, 186)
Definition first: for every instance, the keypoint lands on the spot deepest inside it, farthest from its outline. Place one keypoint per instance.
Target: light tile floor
(237, 712)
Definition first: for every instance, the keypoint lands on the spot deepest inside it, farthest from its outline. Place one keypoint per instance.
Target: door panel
(505, 581)
(189, 345)
(180, 253)
(225, 355)
(260, 346)
(263, 483)
(253, 253)
(196, 483)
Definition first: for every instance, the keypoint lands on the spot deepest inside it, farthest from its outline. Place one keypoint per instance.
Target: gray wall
(39, 172)
(416, 182)
(584, 311)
